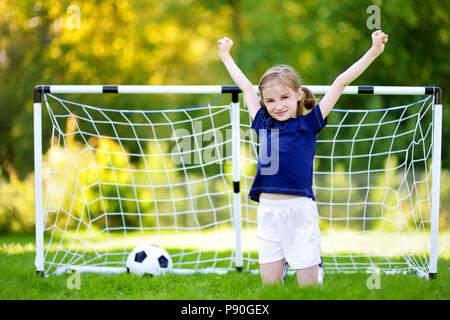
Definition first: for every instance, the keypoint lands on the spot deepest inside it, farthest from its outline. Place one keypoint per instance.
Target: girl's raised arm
(251, 98)
(379, 38)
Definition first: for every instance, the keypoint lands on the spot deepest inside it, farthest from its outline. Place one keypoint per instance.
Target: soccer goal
(108, 179)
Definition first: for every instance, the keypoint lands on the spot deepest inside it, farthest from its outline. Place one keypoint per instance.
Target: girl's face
(280, 100)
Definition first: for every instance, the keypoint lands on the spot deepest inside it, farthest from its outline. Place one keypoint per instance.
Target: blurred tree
(174, 42)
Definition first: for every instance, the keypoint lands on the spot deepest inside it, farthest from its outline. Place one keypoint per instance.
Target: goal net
(112, 179)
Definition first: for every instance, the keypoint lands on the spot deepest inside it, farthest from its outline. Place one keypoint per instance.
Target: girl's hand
(225, 45)
(379, 39)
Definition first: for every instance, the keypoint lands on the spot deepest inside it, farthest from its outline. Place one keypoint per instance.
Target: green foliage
(173, 42)
(16, 205)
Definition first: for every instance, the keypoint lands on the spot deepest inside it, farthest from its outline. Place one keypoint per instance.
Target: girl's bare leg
(272, 272)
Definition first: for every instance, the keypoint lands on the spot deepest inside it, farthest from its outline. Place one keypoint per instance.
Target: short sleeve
(262, 120)
(315, 120)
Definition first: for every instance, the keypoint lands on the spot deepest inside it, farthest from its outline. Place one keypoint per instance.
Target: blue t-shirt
(286, 153)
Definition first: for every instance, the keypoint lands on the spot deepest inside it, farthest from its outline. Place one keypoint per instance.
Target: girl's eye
(285, 97)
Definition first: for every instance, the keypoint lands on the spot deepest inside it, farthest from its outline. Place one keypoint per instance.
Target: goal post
(436, 163)
(353, 201)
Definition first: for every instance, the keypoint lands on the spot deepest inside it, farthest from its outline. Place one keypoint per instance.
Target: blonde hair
(288, 77)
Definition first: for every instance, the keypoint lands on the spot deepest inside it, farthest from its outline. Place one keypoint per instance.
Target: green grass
(19, 281)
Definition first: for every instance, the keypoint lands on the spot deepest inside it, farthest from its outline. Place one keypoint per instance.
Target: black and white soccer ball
(149, 259)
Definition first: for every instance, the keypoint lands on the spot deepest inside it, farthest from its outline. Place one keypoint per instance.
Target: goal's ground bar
(217, 89)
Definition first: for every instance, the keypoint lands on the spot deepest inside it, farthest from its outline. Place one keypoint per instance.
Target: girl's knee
(272, 273)
(308, 276)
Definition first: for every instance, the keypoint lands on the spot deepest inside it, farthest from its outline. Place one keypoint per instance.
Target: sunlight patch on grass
(224, 240)
(17, 248)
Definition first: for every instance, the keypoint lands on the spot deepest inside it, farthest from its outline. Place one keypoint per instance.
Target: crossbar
(217, 89)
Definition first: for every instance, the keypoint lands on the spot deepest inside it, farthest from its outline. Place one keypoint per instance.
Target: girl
(287, 218)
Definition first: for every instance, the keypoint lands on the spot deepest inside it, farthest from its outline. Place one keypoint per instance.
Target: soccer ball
(148, 259)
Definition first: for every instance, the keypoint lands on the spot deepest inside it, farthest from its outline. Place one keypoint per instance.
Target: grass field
(18, 282)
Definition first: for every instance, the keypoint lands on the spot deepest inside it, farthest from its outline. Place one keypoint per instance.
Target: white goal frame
(234, 91)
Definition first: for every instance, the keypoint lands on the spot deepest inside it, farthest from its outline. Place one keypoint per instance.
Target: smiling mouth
(280, 113)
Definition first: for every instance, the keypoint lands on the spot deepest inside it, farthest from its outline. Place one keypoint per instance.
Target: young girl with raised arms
(287, 217)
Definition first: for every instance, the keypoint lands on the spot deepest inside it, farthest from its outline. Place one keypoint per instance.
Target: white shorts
(289, 229)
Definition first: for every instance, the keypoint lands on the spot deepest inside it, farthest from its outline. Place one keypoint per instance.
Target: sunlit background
(175, 43)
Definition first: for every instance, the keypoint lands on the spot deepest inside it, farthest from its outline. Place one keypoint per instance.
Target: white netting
(117, 178)
(372, 182)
